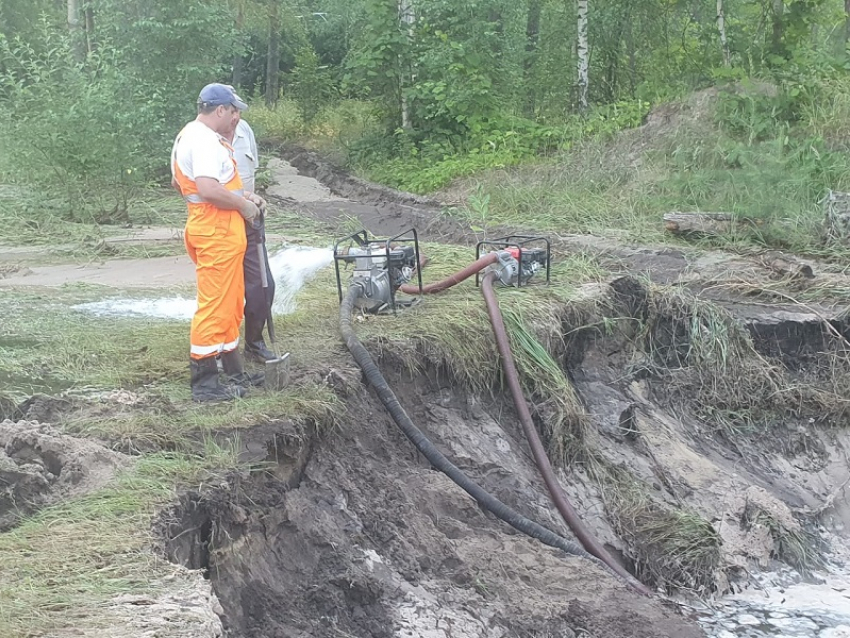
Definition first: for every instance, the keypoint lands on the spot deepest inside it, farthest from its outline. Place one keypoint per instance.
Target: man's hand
(249, 210)
(259, 201)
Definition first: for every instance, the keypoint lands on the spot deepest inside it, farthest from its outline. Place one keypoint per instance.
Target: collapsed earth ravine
(366, 540)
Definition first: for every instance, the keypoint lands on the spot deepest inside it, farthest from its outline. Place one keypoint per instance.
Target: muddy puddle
(292, 267)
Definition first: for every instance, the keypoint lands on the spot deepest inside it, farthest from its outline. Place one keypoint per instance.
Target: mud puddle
(292, 267)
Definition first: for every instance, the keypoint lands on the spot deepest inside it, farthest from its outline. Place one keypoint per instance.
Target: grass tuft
(673, 548)
(563, 413)
(792, 543)
(64, 564)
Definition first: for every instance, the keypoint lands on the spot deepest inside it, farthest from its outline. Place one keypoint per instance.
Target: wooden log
(680, 223)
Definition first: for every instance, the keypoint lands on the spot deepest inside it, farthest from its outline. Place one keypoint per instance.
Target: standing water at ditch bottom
(784, 604)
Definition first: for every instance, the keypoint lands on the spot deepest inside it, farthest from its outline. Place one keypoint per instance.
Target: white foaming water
(783, 605)
(175, 308)
(291, 268)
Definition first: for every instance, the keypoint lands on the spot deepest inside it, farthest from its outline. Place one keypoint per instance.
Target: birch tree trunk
(407, 18)
(721, 27)
(273, 57)
(73, 15)
(75, 29)
(532, 37)
(846, 23)
(582, 54)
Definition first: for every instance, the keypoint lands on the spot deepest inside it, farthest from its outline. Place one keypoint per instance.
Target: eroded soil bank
(715, 445)
(351, 533)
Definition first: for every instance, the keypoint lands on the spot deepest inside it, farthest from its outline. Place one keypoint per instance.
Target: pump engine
(380, 266)
(519, 258)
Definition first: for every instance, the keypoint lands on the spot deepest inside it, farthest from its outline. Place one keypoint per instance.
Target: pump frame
(518, 242)
(361, 238)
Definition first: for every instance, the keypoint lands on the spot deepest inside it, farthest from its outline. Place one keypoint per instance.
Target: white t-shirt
(246, 155)
(199, 152)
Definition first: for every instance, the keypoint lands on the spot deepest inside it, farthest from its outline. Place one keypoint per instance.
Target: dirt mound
(39, 466)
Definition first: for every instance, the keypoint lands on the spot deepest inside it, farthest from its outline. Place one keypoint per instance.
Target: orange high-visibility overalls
(215, 241)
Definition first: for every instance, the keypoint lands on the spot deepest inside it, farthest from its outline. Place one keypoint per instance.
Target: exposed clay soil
(352, 534)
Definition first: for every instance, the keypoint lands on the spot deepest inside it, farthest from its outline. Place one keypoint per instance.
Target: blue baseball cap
(220, 95)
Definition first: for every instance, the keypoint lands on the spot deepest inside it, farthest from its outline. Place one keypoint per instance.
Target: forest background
(416, 93)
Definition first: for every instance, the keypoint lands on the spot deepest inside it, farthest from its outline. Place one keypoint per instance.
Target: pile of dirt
(39, 466)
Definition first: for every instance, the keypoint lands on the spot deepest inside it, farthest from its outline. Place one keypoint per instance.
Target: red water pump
(519, 258)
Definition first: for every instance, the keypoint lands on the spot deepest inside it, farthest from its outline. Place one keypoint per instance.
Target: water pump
(381, 266)
(519, 258)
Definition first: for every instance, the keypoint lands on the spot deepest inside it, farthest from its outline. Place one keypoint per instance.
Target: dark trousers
(258, 300)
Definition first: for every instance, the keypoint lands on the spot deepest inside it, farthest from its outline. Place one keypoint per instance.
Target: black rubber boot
(258, 351)
(255, 345)
(205, 385)
(231, 364)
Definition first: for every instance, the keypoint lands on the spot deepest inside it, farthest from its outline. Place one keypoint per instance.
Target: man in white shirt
(258, 299)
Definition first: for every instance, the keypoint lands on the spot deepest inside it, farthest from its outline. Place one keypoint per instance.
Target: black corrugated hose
(434, 456)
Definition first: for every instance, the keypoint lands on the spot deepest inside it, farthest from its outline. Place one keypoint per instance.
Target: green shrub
(406, 160)
(67, 136)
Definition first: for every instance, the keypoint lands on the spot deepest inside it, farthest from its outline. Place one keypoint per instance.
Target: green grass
(332, 128)
(42, 337)
(674, 548)
(88, 356)
(622, 187)
(63, 565)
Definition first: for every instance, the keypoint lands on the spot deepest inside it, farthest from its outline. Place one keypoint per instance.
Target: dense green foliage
(418, 92)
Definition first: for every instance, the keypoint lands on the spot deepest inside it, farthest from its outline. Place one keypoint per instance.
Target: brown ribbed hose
(560, 500)
(479, 264)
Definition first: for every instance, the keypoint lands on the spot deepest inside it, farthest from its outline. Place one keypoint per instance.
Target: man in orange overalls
(204, 172)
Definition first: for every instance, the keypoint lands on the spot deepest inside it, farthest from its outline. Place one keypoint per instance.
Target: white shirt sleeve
(245, 152)
(254, 149)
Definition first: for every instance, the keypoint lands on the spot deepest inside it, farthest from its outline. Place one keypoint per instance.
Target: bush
(407, 161)
(69, 138)
(87, 131)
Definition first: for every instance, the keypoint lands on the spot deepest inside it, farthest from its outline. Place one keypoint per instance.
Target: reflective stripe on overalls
(215, 240)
